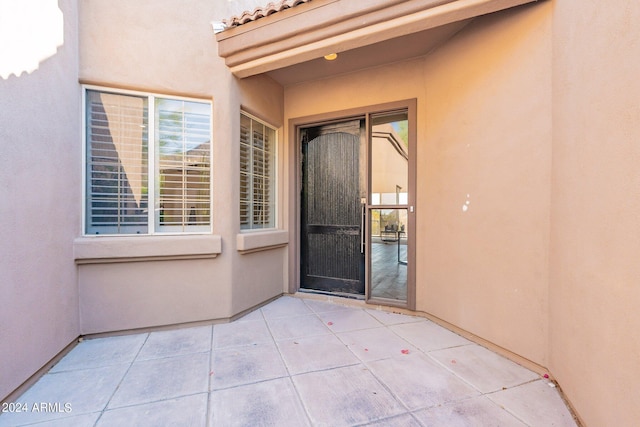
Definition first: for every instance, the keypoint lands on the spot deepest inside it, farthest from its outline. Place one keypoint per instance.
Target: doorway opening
(356, 205)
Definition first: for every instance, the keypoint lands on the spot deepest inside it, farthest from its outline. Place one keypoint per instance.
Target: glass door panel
(388, 239)
(389, 206)
(389, 159)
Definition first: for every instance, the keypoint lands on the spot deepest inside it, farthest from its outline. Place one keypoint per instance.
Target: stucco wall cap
(261, 12)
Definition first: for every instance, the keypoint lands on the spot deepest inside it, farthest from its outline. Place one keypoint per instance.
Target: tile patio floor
(294, 362)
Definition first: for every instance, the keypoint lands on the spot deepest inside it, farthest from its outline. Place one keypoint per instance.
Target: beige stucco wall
(261, 275)
(484, 130)
(133, 295)
(39, 136)
(169, 47)
(595, 272)
(487, 146)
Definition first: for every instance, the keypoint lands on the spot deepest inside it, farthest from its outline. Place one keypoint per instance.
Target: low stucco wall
(40, 137)
(484, 135)
(132, 295)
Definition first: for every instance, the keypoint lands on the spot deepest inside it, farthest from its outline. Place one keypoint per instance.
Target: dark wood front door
(332, 213)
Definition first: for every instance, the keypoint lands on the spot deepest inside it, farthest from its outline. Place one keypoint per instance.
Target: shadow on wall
(30, 32)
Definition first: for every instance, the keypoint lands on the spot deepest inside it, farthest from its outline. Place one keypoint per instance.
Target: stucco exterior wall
(595, 273)
(484, 191)
(131, 295)
(39, 136)
(168, 47)
(484, 131)
(261, 275)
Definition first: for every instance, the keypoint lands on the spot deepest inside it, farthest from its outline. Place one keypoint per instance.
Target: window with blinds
(144, 151)
(257, 174)
(183, 147)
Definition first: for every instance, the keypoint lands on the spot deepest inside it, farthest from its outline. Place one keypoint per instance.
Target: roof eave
(317, 28)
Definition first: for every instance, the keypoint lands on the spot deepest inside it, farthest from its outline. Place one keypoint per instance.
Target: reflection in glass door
(389, 206)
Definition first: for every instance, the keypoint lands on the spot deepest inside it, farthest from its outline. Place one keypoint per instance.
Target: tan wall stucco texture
(595, 216)
(40, 137)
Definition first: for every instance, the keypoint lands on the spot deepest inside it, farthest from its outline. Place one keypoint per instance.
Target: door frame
(295, 188)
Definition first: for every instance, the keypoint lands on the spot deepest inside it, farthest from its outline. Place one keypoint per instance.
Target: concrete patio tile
(269, 403)
(160, 379)
(236, 334)
(184, 411)
(291, 369)
(428, 336)
(176, 343)
(375, 344)
(285, 307)
(85, 420)
(345, 396)
(475, 412)
(535, 403)
(325, 306)
(484, 369)
(405, 420)
(243, 365)
(349, 320)
(390, 318)
(86, 391)
(420, 382)
(315, 353)
(295, 327)
(99, 352)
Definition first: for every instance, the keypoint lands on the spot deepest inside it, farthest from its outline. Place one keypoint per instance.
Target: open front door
(332, 210)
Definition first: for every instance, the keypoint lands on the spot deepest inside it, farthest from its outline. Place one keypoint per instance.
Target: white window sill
(250, 242)
(103, 249)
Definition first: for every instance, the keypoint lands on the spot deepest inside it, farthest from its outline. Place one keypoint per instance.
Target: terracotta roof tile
(261, 12)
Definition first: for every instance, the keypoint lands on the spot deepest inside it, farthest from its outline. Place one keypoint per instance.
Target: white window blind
(120, 138)
(183, 149)
(257, 174)
(117, 164)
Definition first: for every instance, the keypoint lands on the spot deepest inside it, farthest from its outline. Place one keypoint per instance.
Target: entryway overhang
(290, 44)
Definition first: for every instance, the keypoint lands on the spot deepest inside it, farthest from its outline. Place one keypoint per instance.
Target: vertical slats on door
(332, 210)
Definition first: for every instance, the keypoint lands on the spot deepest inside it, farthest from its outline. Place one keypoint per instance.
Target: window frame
(153, 174)
(275, 177)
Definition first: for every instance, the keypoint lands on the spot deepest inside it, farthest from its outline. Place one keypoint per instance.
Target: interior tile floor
(389, 270)
(293, 362)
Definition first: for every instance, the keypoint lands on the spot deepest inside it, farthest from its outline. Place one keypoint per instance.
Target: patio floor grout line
(160, 400)
(364, 365)
(121, 380)
(209, 379)
(289, 376)
(428, 354)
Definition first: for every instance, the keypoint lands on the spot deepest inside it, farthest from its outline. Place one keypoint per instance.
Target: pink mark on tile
(366, 349)
(404, 351)
(453, 361)
(210, 373)
(329, 323)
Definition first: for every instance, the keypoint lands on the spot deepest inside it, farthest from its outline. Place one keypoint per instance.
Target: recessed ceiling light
(331, 56)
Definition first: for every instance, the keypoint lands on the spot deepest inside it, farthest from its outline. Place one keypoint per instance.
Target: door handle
(363, 217)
